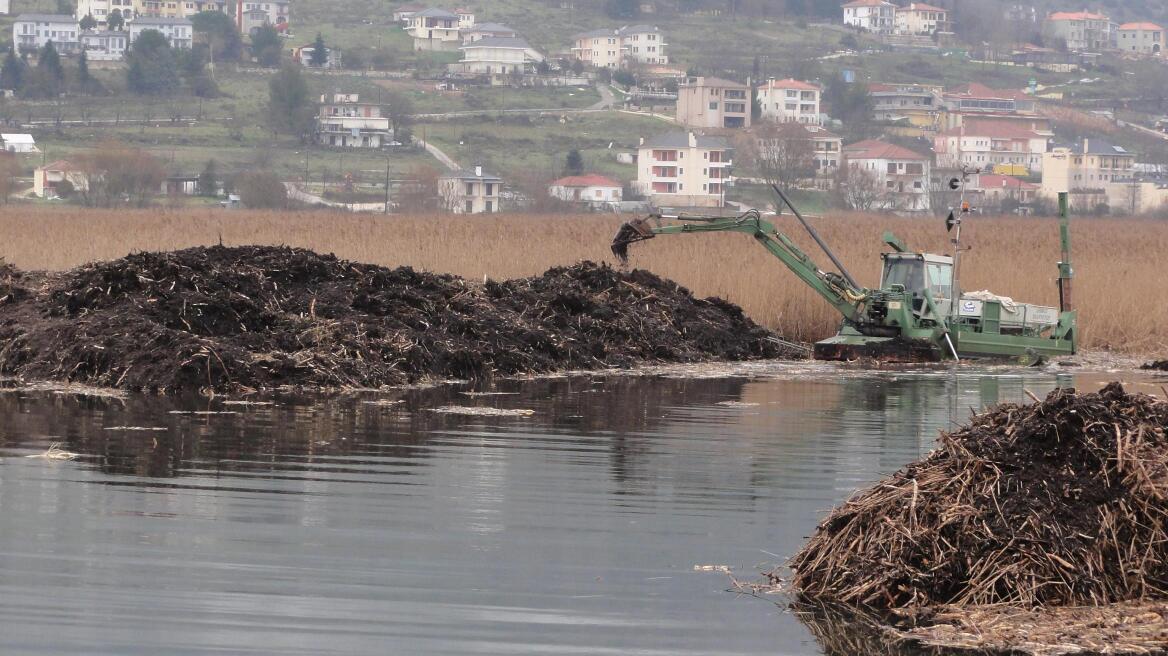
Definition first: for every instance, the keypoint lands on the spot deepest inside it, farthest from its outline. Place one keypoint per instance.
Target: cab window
(940, 280)
(907, 272)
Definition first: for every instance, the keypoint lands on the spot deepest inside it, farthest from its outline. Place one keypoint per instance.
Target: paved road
(437, 154)
(297, 194)
(607, 100)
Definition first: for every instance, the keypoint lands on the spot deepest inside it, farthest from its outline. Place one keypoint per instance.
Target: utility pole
(386, 185)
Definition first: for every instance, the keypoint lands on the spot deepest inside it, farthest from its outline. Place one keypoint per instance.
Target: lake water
(353, 525)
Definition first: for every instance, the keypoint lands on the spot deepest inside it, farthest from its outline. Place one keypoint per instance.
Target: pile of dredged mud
(1059, 503)
(235, 319)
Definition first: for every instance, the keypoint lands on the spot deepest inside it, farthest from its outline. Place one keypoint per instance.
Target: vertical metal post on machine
(1066, 271)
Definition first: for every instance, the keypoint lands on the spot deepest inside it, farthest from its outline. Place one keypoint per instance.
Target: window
(470, 189)
(468, 207)
(490, 206)
(714, 105)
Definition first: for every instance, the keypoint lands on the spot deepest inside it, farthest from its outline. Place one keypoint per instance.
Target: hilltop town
(871, 106)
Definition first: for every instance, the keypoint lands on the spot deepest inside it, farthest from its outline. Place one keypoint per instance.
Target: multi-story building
(790, 101)
(343, 121)
(911, 109)
(498, 58)
(901, 175)
(435, 29)
(826, 148)
(636, 44)
(250, 16)
(591, 190)
(1141, 38)
(711, 102)
(1081, 30)
(35, 30)
(977, 97)
(1091, 171)
(100, 10)
(105, 45)
(470, 191)
(178, 31)
(920, 18)
(877, 16)
(992, 146)
(683, 169)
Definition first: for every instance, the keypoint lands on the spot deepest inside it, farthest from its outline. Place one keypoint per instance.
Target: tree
(9, 170)
(208, 180)
(12, 73)
(49, 60)
(261, 190)
(267, 46)
(218, 34)
(65, 7)
(88, 23)
(574, 163)
(420, 192)
(153, 67)
(850, 103)
(115, 22)
(782, 153)
(117, 174)
(621, 8)
(289, 104)
(624, 78)
(858, 189)
(401, 115)
(320, 55)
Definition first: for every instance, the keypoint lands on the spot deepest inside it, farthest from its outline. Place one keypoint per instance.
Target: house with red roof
(992, 146)
(49, 181)
(1080, 30)
(591, 190)
(921, 18)
(790, 101)
(902, 175)
(1141, 38)
(877, 16)
(994, 191)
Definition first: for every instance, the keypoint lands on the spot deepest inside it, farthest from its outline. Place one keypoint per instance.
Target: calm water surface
(338, 526)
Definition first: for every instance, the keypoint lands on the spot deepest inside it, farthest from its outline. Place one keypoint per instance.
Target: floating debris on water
(489, 393)
(483, 412)
(737, 404)
(712, 568)
(55, 452)
(386, 403)
(135, 428)
(203, 412)
(249, 403)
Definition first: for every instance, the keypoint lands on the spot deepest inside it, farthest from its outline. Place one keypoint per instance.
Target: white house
(901, 175)
(1141, 38)
(790, 101)
(497, 57)
(250, 16)
(18, 143)
(343, 121)
(178, 31)
(920, 18)
(35, 30)
(5, 7)
(683, 169)
(47, 179)
(993, 146)
(100, 45)
(876, 16)
(435, 29)
(484, 30)
(616, 48)
(591, 190)
(101, 9)
(470, 191)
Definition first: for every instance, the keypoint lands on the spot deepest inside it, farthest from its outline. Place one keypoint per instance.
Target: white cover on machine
(986, 295)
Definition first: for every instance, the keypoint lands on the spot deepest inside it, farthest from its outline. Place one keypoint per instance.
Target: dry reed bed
(1118, 261)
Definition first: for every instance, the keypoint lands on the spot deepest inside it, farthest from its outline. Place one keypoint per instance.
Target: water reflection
(351, 524)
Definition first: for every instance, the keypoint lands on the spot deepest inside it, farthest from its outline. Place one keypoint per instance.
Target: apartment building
(909, 109)
(711, 102)
(1141, 38)
(498, 58)
(977, 97)
(470, 191)
(1088, 170)
(343, 121)
(790, 101)
(436, 29)
(619, 48)
(876, 16)
(993, 146)
(178, 31)
(251, 16)
(1081, 30)
(684, 169)
(921, 18)
(100, 10)
(901, 174)
(35, 30)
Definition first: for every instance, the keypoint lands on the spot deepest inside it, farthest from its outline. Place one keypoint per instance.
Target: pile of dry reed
(1058, 503)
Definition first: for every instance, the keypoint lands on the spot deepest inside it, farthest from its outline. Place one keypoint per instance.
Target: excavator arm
(836, 289)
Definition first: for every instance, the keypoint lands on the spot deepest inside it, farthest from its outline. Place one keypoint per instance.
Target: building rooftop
(876, 149)
(469, 174)
(712, 82)
(639, 29)
(434, 13)
(594, 34)
(1075, 16)
(47, 18)
(866, 3)
(790, 83)
(586, 180)
(992, 129)
(681, 139)
(1094, 146)
(1141, 26)
(993, 180)
(498, 42)
(979, 90)
(158, 20)
(491, 28)
(920, 6)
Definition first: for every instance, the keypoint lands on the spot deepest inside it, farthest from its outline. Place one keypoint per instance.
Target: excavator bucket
(629, 233)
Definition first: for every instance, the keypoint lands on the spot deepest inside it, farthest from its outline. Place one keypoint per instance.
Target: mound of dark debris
(232, 319)
(1057, 504)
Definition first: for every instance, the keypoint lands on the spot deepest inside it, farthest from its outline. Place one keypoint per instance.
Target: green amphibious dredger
(918, 313)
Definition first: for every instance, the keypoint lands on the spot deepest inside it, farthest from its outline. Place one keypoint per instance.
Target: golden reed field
(1119, 263)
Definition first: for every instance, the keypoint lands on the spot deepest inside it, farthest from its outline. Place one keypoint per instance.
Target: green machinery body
(916, 314)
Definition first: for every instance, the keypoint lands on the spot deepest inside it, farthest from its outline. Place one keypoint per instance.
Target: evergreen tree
(289, 102)
(12, 73)
(153, 67)
(574, 164)
(267, 46)
(83, 69)
(320, 56)
(208, 179)
(49, 61)
(88, 23)
(115, 22)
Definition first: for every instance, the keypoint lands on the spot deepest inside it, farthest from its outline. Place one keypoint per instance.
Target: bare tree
(859, 189)
(118, 174)
(420, 191)
(782, 153)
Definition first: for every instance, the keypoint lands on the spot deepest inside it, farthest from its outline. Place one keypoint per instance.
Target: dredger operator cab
(916, 272)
